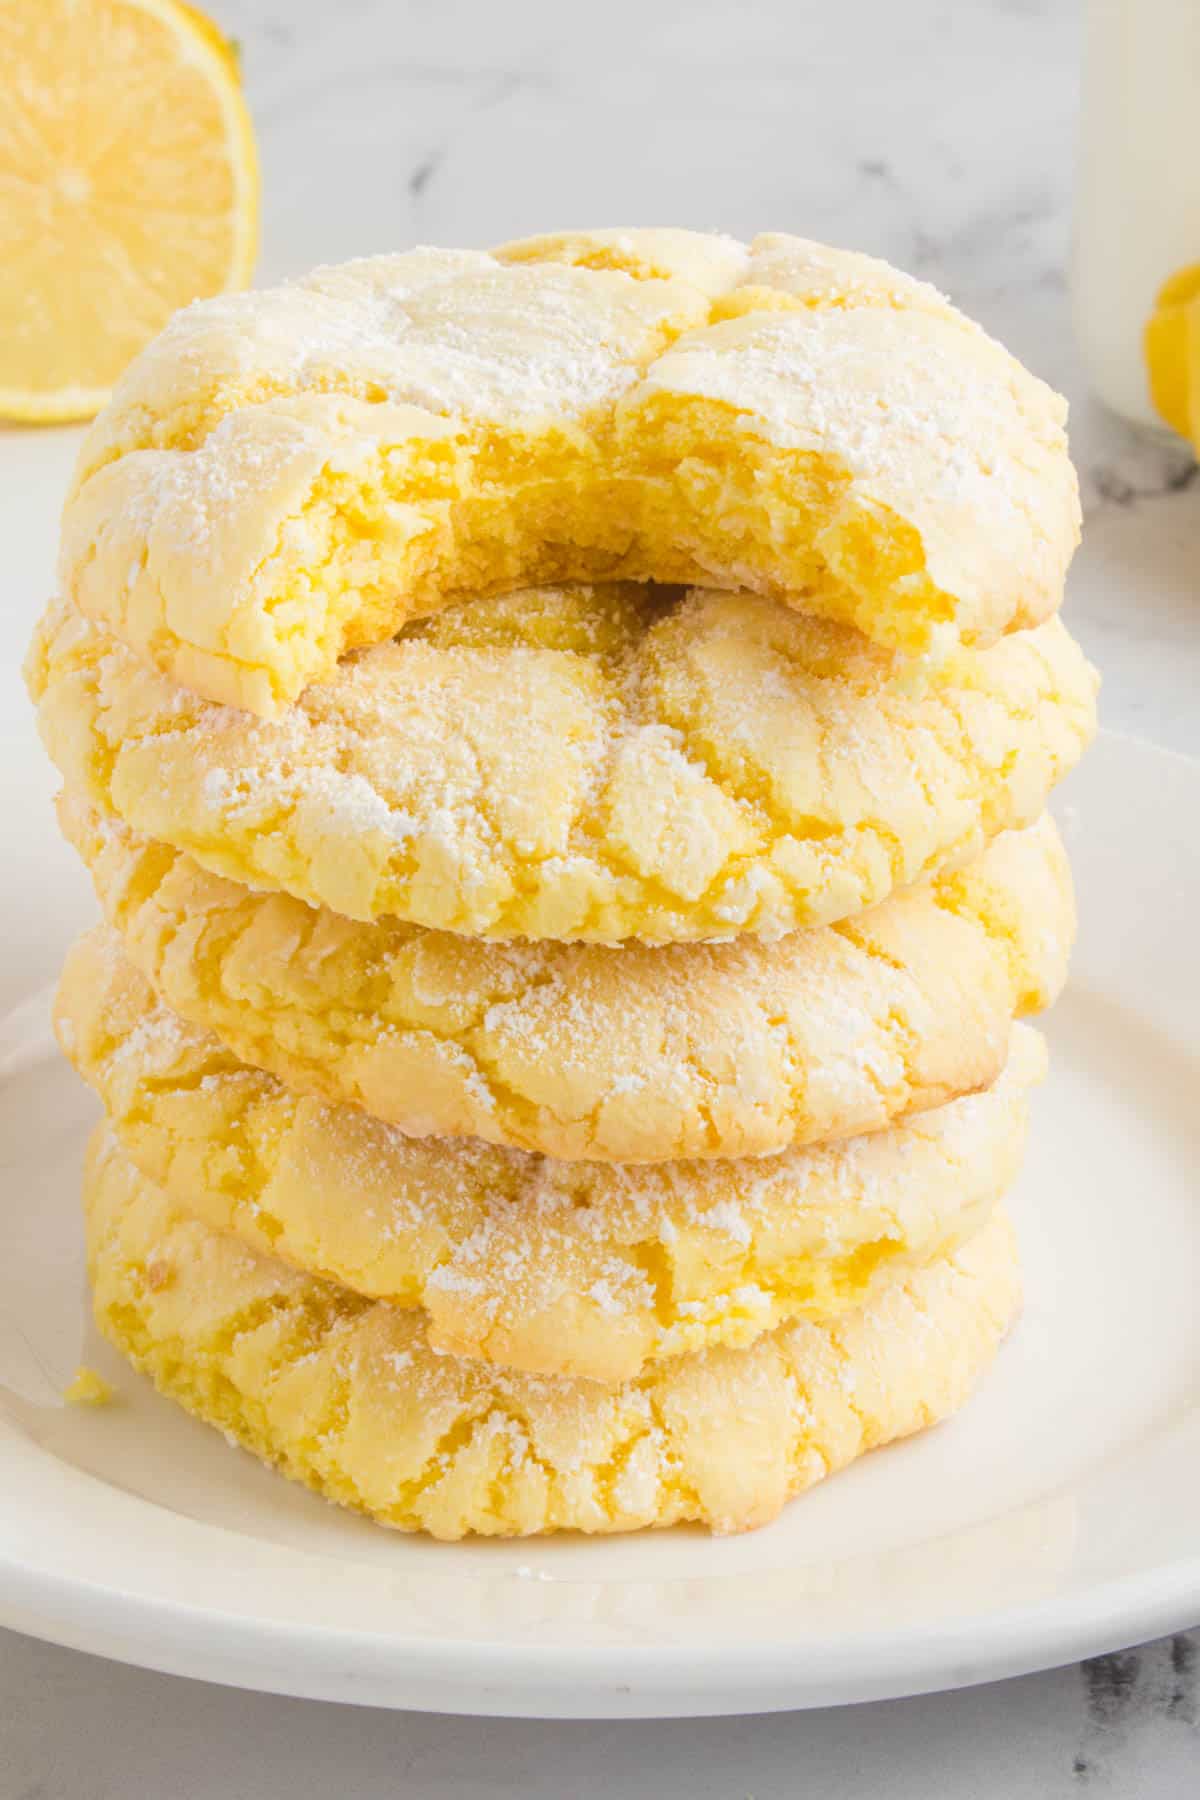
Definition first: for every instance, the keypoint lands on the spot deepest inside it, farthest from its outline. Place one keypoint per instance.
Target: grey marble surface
(938, 133)
(78, 1729)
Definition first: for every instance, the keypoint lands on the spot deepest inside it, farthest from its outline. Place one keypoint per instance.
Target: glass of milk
(1137, 217)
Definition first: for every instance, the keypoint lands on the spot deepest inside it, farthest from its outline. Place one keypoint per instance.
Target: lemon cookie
(559, 1268)
(578, 763)
(284, 477)
(346, 1395)
(631, 1054)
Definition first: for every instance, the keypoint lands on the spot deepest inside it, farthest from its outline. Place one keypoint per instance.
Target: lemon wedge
(1172, 343)
(128, 186)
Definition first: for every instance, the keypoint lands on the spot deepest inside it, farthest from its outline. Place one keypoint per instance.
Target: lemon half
(128, 186)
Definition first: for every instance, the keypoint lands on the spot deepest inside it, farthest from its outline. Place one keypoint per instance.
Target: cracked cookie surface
(582, 764)
(345, 1394)
(632, 1054)
(286, 475)
(582, 1269)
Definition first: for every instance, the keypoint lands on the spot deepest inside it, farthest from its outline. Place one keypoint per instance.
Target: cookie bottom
(345, 1394)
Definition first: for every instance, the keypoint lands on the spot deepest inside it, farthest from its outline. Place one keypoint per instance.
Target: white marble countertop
(934, 133)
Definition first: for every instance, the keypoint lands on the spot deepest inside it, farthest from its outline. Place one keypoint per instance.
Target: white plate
(1056, 1517)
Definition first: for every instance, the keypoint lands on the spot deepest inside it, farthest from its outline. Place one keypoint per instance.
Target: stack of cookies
(561, 738)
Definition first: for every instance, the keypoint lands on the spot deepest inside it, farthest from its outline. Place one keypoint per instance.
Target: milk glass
(1138, 198)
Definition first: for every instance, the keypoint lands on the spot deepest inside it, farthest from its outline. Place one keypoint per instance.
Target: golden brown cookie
(558, 1268)
(632, 1054)
(287, 475)
(593, 764)
(346, 1395)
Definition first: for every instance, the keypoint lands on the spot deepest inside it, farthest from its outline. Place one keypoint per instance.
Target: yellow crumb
(88, 1388)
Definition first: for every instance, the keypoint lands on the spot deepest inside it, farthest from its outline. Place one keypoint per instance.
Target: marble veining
(1128, 1695)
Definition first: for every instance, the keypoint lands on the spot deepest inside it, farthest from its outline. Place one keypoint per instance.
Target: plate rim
(512, 1680)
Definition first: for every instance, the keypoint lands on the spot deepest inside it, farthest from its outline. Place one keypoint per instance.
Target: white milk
(1138, 201)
